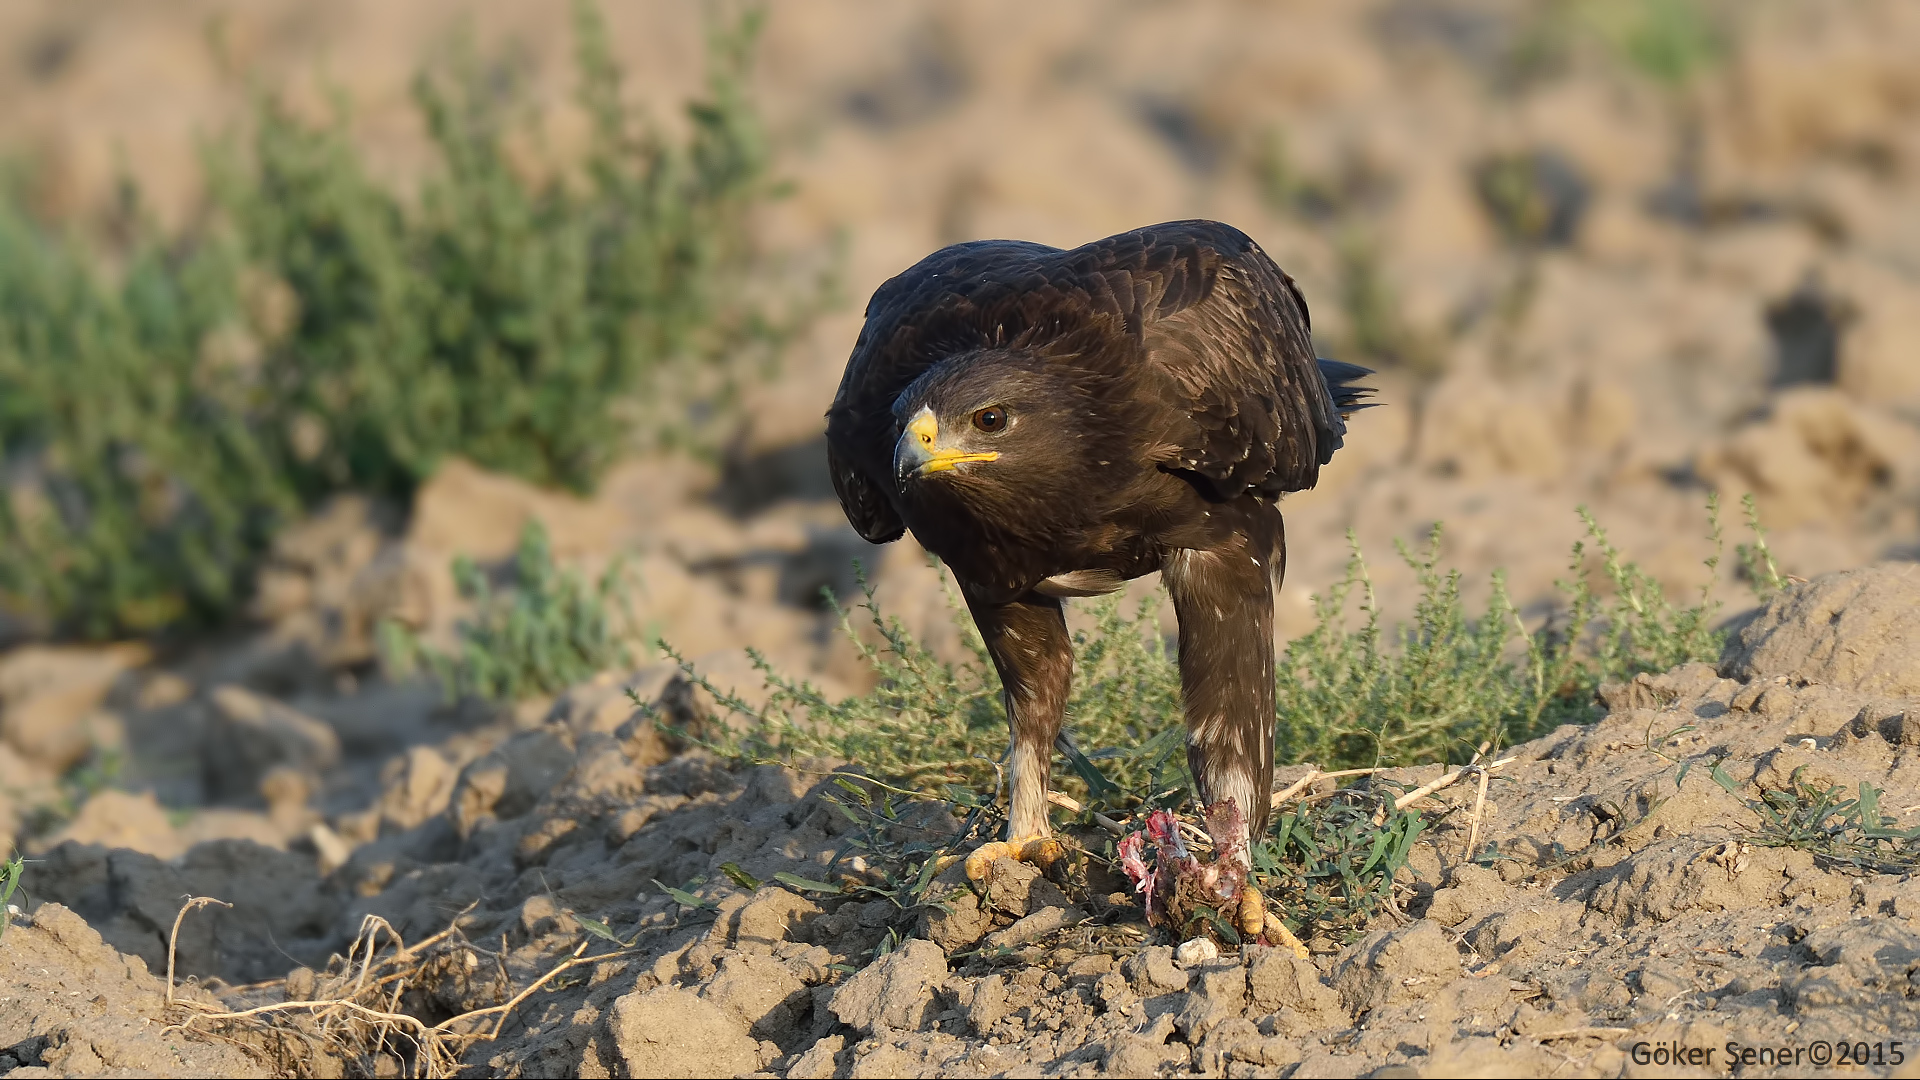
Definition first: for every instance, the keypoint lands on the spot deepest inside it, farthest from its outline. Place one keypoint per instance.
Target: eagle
(1051, 423)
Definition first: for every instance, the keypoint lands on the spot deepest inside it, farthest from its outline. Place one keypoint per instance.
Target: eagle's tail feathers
(1341, 378)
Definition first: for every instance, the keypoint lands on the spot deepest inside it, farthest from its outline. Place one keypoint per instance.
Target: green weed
(1669, 43)
(1331, 864)
(1756, 559)
(317, 331)
(1438, 688)
(1666, 41)
(550, 631)
(11, 872)
(1843, 832)
(133, 486)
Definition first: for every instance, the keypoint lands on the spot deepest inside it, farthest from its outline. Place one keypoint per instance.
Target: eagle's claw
(1251, 916)
(1040, 851)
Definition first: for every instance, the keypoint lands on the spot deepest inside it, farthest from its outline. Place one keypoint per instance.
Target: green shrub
(1349, 696)
(505, 317)
(550, 631)
(318, 332)
(134, 479)
(1437, 689)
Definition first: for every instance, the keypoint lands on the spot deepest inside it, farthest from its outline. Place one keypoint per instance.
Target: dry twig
(1432, 786)
(1479, 804)
(173, 939)
(1312, 777)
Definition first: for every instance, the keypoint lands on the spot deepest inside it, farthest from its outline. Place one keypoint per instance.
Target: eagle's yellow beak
(919, 452)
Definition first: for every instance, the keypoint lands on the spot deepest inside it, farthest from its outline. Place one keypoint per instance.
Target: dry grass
(356, 1011)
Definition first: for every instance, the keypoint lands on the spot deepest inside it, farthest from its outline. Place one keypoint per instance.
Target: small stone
(1196, 951)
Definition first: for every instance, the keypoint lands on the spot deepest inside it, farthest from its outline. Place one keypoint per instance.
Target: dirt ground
(1653, 354)
(1637, 900)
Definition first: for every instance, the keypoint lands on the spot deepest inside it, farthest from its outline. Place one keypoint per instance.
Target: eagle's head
(999, 419)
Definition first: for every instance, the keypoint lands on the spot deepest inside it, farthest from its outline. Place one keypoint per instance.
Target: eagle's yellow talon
(1251, 919)
(1278, 933)
(1040, 851)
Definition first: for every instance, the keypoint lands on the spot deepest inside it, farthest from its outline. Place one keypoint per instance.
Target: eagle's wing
(864, 502)
(1248, 405)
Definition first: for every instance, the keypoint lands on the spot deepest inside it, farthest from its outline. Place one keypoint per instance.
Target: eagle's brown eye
(990, 420)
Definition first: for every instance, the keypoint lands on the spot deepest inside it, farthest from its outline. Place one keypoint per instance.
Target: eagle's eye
(990, 420)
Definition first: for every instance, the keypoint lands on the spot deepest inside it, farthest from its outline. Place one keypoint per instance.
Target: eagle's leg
(1223, 597)
(1030, 648)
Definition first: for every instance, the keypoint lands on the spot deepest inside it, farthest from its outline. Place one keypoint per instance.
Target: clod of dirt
(771, 919)
(50, 699)
(1817, 455)
(1217, 993)
(762, 993)
(249, 735)
(1281, 983)
(670, 1033)
(1858, 629)
(1153, 971)
(959, 924)
(70, 1005)
(507, 782)
(414, 787)
(1396, 965)
(896, 991)
(132, 899)
(1042, 922)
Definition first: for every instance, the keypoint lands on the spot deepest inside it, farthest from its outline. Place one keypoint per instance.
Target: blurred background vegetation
(169, 399)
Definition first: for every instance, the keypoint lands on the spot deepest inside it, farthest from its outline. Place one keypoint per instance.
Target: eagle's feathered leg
(1223, 596)
(1034, 656)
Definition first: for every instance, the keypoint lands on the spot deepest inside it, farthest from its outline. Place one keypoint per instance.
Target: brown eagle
(1053, 423)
